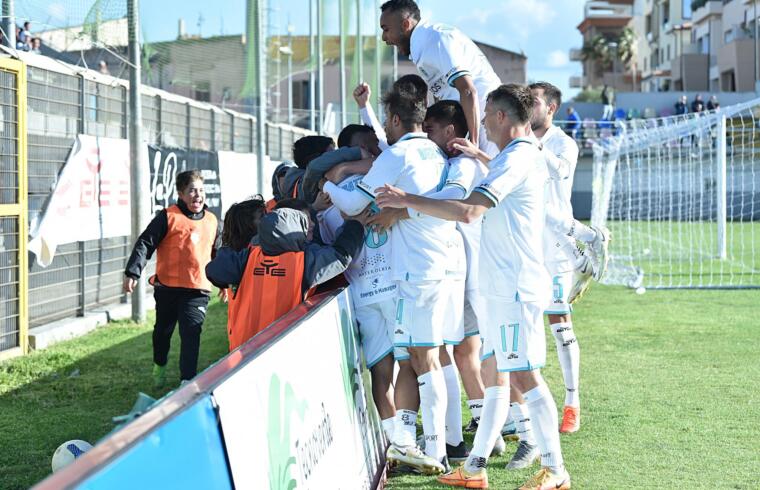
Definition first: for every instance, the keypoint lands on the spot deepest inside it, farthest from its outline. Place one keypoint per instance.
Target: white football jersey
(424, 247)
(466, 173)
(511, 244)
(369, 273)
(557, 245)
(442, 54)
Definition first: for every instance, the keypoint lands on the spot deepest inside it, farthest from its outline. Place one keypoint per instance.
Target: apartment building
(681, 45)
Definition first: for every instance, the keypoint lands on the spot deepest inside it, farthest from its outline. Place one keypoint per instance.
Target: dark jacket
(293, 180)
(148, 241)
(283, 167)
(284, 230)
(320, 165)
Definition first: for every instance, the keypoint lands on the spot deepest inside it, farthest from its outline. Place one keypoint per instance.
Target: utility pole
(378, 64)
(138, 164)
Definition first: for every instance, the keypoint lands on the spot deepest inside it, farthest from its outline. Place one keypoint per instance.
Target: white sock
(521, 416)
(495, 409)
(432, 387)
(405, 428)
(476, 408)
(453, 406)
(581, 232)
(389, 425)
(543, 413)
(569, 354)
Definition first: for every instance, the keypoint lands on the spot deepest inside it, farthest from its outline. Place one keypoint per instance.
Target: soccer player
(425, 250)
(514, 280)
(373, 291)
(451, 64)
(184, 236)
(561, 253)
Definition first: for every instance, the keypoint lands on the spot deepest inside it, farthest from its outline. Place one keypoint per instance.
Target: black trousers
(188, 308)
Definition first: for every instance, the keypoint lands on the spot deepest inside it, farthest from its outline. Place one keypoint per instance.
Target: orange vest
(270, 288)
(185, 250)
(270, 205)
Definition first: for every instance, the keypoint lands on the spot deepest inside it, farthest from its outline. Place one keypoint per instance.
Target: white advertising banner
(237, 176)
(297, 416)
(90, 200)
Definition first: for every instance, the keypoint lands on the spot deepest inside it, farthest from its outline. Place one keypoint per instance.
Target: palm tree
(627, 50)
(598, 51)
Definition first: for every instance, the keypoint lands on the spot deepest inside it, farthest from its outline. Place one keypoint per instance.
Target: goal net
(681, 196)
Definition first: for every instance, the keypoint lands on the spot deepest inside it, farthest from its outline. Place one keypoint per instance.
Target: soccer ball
(68, 452)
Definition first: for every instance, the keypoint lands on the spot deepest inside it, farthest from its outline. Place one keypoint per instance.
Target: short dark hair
(298, 204)
(345, 136)
(408, 6)
(515, 100)
(449, 112)
(409, 109)
(241, 222)
(184, 179)
(308, 148)
(413, 85)
(552, 94)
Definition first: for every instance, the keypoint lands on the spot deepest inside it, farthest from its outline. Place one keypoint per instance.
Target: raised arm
(468, 97)
(465, 211)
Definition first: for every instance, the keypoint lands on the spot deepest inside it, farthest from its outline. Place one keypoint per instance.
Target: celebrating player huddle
(469, 240)
(475, 199)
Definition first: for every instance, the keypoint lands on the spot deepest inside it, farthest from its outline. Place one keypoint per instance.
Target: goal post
(681, 196)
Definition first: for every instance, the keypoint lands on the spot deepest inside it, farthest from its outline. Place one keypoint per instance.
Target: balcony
(737, 56)
(690, 71)
(600, 13)
(576, 54)
(709, 9)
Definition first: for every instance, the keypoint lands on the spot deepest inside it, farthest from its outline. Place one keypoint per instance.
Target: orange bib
(182, 255)
(270, 288)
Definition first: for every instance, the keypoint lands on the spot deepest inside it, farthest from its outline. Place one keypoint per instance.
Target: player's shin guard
(569, 355)
(405, 428)
(543, 413)
(521, 417)
(453, 406)
(495, 409)
(432, 387)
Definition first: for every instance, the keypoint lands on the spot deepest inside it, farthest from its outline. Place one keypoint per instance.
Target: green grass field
(684, 254)
(670, 393)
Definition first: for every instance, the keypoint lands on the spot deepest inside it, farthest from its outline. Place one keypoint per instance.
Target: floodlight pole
(342, 63)
(139, 181)
(312, 87)
(261, 92)
(320, 69)
(9, 24)
(378, 65)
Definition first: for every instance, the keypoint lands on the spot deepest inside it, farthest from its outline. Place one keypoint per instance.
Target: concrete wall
(660, 101)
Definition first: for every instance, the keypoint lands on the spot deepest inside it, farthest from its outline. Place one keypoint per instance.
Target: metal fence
(87, 275)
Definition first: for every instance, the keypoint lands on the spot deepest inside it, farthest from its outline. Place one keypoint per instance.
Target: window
(648, 24)
(686, 9)
(728, 36)
(665, 12)
(668, 58)
(646, 60)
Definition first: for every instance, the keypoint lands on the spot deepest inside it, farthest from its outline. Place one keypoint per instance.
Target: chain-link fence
(64, 102)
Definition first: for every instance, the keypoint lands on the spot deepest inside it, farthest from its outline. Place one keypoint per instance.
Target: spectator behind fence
(713, 103)
(273, 277)
(21, 40)
(103, 68)
(36, 45)
(682, 106)
(608, 99)
(184, 236)
(573, 122)
(698, 105)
